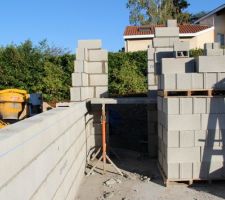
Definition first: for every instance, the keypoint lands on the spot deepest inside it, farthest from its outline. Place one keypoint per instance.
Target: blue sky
(63, 22)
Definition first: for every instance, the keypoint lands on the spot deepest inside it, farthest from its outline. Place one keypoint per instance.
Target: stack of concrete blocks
(213, 49)
(191, 129)
(162, 47)
(90, 80)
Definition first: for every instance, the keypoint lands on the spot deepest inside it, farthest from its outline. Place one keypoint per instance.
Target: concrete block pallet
(191, 135)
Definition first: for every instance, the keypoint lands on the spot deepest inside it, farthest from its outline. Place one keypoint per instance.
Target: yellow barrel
(12, 102)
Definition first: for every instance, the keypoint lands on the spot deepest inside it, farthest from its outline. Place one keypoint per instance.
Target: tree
(196, 16)
(157, 11)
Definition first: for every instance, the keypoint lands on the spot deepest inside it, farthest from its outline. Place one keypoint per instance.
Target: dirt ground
(142, 182)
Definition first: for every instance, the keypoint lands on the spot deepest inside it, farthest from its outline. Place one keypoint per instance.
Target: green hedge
(127, 73)
(36, 69)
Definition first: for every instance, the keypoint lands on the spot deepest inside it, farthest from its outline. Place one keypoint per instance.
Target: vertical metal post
(103, 136)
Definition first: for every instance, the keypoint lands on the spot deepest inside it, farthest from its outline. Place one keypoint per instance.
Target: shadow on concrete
(212, 166)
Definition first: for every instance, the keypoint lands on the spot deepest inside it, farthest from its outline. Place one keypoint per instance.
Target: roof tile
(148, 30)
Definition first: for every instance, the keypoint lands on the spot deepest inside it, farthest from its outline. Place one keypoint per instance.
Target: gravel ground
(142, 182)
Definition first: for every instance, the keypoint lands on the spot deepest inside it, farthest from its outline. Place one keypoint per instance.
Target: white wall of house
(218, 21)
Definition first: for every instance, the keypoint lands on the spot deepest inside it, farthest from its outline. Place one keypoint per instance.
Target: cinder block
(81, 54)
(208, 46)
(168, 82)
(171, 23)
(151, 79)
(105, 67)
(166, 32)
(93, 67)
(199, 105)
(215, 105)
(78, 66)
(200, 138)
(184, 122)
(184, 81)
(214, 52)
(173, 171)
(173, 40)
(181, 49)
(163, 53)
(171, 138)
(175, 66)
(221, 81)
(171, 106)
(151, 67)
(216, 45)
(87, 93)
(76, 79)
(151, 52)
(181, 46)
(208, 154)
(214, 139)
(212, 121)
(79, 79)
(210, 64)
(98, 79)
(97, 55)
(200, 170)
(90, 44)
(210, 80)
(197, 81)
(101, 92)
(187, 139)
(181, 155)
(161, 42)
(186, 105)
(186, 171)
(75, 94)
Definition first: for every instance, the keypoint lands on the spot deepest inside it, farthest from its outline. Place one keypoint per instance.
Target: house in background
(138, 38)
(215, 18)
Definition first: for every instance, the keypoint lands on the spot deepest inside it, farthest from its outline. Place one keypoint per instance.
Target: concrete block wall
(90, 77)
(189, 129)
(90, 80)
(44, 157)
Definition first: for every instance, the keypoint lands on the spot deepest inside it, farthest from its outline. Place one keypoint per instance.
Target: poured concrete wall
(44, 157)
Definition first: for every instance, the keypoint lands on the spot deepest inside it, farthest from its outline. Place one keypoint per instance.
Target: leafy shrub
(36, 69)
(127, 73)
(196, 52)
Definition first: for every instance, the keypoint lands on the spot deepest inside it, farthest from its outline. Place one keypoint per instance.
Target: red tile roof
(148, 30)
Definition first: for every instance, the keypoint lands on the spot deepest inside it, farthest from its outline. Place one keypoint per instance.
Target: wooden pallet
(189, 93)
(169, 182)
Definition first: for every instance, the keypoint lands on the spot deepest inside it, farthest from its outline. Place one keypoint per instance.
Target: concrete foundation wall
(44, 157)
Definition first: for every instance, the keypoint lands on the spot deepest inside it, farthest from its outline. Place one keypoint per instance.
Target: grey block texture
(90, 79)
(171, 23)
(210, 64)
(174, 66)
(90, 44)
(187, 151)
(167, 32)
